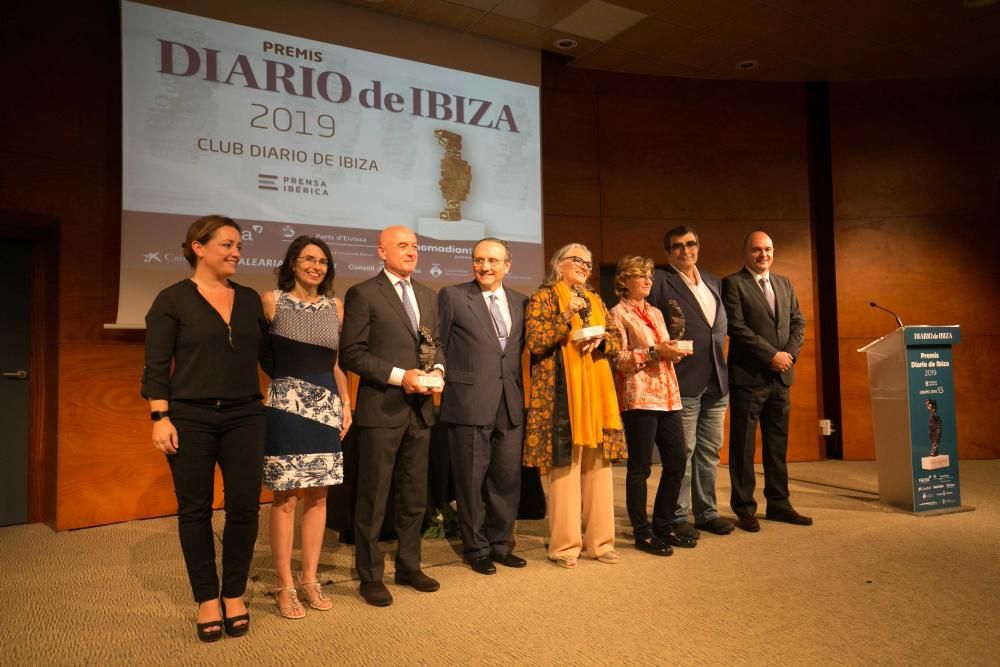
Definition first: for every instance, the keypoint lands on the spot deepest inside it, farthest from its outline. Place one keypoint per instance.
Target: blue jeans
(703, 416)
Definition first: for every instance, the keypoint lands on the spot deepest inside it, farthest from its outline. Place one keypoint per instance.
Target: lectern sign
(931, 389)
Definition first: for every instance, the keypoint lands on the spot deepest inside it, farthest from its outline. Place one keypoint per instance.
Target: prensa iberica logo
(295, 185)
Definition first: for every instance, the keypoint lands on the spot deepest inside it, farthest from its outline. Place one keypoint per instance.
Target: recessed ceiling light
(747, 64)
(566, 43)
(978, 4)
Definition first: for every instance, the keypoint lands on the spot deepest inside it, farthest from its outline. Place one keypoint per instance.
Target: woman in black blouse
(207, 411)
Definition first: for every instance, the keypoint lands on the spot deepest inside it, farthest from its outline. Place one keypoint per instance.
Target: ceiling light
(566, 43)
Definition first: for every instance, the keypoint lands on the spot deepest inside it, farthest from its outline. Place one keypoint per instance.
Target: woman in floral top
(574, 429)
(650, 403)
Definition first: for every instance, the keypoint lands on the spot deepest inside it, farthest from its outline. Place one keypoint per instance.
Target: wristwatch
(652, 354)
(157, 415)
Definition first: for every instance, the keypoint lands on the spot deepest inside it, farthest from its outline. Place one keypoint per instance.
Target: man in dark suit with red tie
(385, 321)
(766, 330)
(481, 325)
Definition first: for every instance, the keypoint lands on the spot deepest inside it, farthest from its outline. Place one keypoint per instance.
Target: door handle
(16, 375)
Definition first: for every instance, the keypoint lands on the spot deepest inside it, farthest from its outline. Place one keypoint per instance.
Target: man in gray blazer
(385, 319)
(481, 324)
(703, 380)
(766, 330)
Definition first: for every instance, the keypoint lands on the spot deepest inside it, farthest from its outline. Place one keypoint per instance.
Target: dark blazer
(754, 334)
(479, 370)
(694, 372)
(377, 337)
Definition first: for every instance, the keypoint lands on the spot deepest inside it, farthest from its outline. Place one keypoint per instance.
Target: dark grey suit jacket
(479, 370)
(755, 335)
(694, 372)
(377, 337)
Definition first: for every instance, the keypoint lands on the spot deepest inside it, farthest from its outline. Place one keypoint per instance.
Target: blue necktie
(408, 305)
(498, 321)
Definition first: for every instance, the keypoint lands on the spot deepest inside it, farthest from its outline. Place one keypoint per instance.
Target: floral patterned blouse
(643, 384)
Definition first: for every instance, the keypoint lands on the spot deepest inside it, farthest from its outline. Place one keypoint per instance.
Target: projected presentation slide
(290, 136)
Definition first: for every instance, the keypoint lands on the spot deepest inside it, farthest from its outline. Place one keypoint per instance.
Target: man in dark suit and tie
(481, 324)
(702, 377)
(385, 319)
(766, 330)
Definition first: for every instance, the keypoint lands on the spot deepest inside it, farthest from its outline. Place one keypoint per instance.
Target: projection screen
(291, 136)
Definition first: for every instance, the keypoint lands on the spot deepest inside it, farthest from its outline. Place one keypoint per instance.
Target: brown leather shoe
(788, 516)
(748, 523)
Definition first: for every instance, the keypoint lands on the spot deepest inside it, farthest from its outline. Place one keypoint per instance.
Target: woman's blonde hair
(630, 266)
(553, 275)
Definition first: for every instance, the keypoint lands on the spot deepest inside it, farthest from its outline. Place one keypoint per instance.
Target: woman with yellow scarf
(574, 429)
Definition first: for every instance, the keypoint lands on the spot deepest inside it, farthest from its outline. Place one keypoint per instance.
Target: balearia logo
(308, 187)
(288, 233)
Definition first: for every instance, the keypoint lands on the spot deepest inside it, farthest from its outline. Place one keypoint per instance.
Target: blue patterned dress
(304, 412)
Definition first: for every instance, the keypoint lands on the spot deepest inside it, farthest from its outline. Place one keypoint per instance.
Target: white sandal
(318, 600)
(294, 608)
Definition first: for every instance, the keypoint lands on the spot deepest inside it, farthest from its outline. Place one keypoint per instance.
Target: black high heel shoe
(232, 629)
(209, 636)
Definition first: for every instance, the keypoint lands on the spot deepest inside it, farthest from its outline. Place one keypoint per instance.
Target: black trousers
(643, 429)
(768, 404)
(229, 434)
(486, 468)
(391, 457)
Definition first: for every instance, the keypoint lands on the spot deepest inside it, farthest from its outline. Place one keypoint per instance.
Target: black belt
(216, 403)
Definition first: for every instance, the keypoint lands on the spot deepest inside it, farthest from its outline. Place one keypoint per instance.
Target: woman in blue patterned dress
(307, 415)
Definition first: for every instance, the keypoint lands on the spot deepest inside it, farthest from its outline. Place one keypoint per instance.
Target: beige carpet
(864, 585)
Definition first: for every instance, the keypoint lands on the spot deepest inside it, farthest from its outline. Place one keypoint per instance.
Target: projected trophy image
(934, 460)
(455, 183)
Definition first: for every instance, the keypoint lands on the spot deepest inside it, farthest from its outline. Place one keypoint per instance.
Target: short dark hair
(202, 230)
(493, 239)
(286, 272)
(678, 231)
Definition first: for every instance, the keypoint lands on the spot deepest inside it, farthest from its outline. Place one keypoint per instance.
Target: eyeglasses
(491, 261)
(690, 245)
(309, 259)
(580, 261)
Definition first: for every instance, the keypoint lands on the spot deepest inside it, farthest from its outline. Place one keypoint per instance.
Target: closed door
(15, 276)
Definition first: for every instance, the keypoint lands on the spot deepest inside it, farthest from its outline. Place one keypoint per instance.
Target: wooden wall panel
(723, 158)
(916, 206)
(570, 173)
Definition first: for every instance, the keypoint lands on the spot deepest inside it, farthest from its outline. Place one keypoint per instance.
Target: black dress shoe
(685, 529)
(748, 523)
(482, 564)
(676, 540)
(376, 594)
(654, 546)
(788, 516)
(717, 526)
(418, 580)
(509, 560)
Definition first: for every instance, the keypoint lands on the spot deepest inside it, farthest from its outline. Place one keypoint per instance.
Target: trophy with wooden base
(427, 355)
